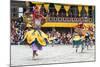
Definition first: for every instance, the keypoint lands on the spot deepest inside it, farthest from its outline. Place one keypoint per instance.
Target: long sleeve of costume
(28, 20)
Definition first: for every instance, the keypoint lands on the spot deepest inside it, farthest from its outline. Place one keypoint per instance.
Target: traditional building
(58, 16)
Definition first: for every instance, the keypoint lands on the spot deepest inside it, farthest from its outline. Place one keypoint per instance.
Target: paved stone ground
(22, 55)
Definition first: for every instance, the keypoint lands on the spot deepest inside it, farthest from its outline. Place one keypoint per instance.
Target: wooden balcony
(67, 19)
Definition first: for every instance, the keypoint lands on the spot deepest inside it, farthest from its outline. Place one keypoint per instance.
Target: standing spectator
(68, 38)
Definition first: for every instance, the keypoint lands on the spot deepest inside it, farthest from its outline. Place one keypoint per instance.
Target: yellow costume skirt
(36, 36)
(77, 40)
